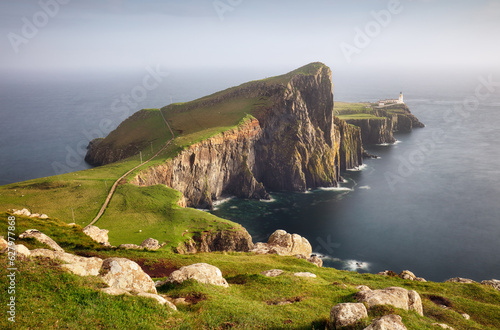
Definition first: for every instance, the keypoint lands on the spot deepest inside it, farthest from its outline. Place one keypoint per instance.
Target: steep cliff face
(298, 148)
(218, 241)
(351, 150)
(219, 165)
(375, 130)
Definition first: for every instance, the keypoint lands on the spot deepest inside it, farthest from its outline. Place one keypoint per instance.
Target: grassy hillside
(49, 298)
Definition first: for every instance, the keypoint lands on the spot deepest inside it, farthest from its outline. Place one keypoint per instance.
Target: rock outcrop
(77, 265)
(282, 243)
(97, 234)
(42, 238)
(395, 296)
(460, 280)
(150, 244)
(387, 322)
(126, 274)
(346, 314)
(224, 241)
(493, 283)
(201, 272)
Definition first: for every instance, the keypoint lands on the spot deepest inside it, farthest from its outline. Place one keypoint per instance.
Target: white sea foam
(359, 168)
(221, 201)
(268, 200)
(365, 187)
(334, 188)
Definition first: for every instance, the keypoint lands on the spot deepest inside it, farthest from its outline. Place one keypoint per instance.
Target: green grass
(50, 298)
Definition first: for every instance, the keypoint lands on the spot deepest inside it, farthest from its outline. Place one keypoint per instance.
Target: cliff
(293, 143)
(222, 241)
(378, 124)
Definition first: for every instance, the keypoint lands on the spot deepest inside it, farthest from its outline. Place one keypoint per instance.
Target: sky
(81, 35)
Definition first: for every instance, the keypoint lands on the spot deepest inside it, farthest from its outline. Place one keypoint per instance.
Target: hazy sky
(116, 34)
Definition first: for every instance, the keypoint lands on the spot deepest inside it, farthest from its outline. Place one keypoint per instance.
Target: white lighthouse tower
(400, 100)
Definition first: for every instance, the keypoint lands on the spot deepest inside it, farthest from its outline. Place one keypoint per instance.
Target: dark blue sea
(430, 203)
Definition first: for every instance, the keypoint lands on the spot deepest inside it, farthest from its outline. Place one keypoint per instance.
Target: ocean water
(430, 203)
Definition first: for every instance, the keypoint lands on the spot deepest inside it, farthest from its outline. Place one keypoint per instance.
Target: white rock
(24, 212)
(343, 315)
(42, 238)
(305, 274)
(4, 245)
(292, 244)
(363, 288)
(201, 272)
(22, 251)
(460, 280)
(130, 247)
(395, 296)
(387, 322)
(493, 283)
(44, 216)
(272, 272)
(77, 265)
(407, 275)
(158, 298)
(466, 316)
(97, 234)
(126, 274)
(150, 244)
(442, 325)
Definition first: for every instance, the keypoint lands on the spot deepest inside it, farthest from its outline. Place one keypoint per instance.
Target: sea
(429, 203)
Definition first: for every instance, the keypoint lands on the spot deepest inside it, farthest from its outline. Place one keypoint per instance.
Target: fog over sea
(430, 203)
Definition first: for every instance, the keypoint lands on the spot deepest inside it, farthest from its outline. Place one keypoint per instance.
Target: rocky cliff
(291, 143)
(225, 240)
(380, 128)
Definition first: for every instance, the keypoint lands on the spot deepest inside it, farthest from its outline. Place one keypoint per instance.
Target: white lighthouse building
(400, 100)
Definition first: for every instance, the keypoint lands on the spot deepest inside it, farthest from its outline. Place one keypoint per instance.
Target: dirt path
(113, 188)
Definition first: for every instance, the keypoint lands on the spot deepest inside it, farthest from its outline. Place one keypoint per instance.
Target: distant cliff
(291, 141)
(379, 126)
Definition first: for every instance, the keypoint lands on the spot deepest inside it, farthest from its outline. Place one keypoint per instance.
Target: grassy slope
(48, 297)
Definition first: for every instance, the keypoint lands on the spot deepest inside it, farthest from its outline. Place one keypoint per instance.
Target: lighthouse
(400, 100)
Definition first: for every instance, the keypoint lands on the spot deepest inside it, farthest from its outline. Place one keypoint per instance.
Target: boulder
(460, 280)
(22, 251)
(44, 216)
(316, 261)
(363, 288)
(395, 296)
(260, 248)
(420, 279)
(201, 272)
(24, 212)
(125, 274)
(113, 291)
(305, 274)
(4, 245)
(466, 316)
(343, 315)
(493, 283)
(407, 275)
(97, 234)
(77, 265)
(150, 244)
(34, 215)
(130, 247)
(272, 272)
(291, 244)
(387, 322)
(42, 238)
(158, 298)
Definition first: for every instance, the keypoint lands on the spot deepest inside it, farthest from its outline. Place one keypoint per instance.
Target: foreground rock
(460, 280)
(130, 247)
(493, 283)
(343, 315)
(77, 265)
(387, 322)
(272, 272)
(150, 244)
(159, 299)
(22, 251)
(97, 234)
(42, 238)
(201, 272)
(125, 274)
(284, 244)
(4, 245)
(395, 296)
